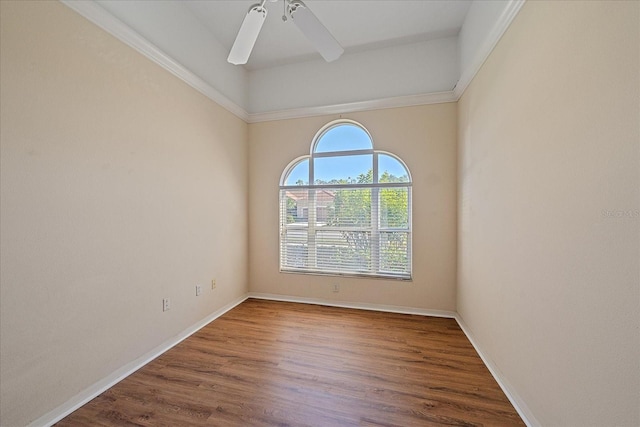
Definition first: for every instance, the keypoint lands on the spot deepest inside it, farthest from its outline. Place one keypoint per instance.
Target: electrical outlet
(213, 284)
(198, 290)
(166, 304)
(336, 287)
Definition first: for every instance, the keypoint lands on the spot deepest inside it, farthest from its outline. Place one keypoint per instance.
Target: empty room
(319, 213)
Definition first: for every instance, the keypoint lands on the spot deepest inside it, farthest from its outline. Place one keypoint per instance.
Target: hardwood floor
(268, 363)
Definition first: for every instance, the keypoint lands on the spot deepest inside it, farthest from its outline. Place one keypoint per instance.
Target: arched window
(346, 208)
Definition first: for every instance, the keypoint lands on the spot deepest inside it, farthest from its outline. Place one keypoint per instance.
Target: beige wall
(425, 138)
(120, 185)
(548, 278)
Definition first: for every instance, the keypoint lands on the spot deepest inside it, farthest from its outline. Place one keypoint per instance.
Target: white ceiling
(397, 52)
(356, 24)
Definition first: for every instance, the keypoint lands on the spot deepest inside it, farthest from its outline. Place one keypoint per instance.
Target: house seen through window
(346, 208)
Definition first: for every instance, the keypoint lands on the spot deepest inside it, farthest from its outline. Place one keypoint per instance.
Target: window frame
(375, 228)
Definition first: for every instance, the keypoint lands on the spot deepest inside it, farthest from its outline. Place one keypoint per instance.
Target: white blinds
(362, 229)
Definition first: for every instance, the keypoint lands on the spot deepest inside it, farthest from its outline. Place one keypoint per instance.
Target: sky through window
(344, 137)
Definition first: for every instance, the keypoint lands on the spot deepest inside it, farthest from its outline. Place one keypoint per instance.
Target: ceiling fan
(300, 14)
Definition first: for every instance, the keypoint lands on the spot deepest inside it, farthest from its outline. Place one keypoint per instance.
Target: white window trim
(375, 272)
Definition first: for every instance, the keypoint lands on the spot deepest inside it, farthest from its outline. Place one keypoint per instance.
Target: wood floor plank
(268, 363)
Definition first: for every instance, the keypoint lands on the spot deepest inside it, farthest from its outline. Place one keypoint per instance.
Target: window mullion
(343, 153)
(312, 256)
(312, 252)
(375, 230)
(375, 218)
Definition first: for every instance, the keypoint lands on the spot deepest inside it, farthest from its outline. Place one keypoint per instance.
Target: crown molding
(103, 19)
(490, 42)
(352, 107)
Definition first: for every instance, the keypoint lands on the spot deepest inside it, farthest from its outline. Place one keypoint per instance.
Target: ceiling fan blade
(248, 34)
(313, 29)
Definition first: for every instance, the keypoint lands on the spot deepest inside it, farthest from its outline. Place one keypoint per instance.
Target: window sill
(348, 275)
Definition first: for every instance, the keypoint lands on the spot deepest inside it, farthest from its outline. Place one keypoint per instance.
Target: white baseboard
(519, 404)
(359, 306)
(101, 386)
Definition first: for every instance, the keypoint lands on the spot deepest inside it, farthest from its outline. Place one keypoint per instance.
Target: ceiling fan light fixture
(248, 34)
(300, 14)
